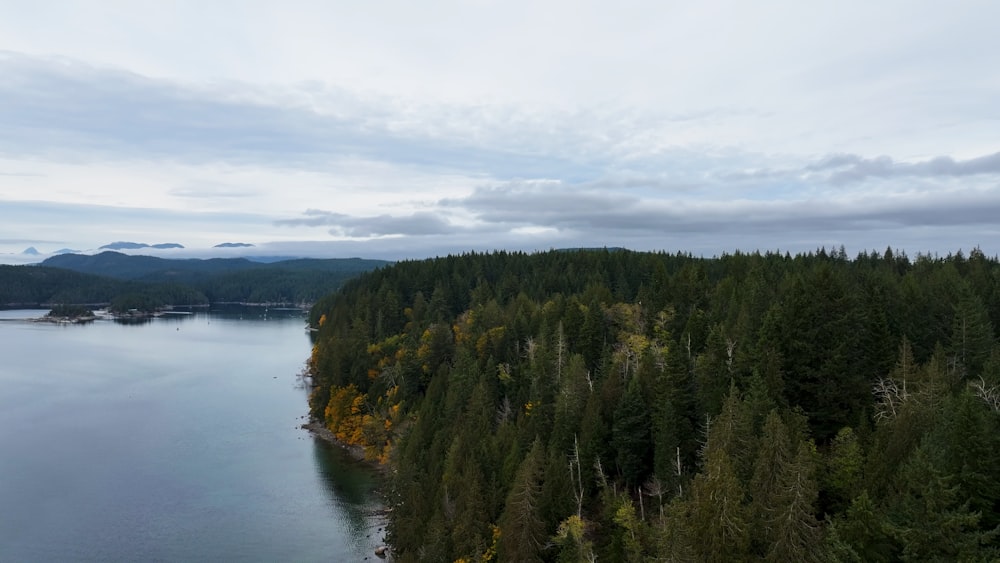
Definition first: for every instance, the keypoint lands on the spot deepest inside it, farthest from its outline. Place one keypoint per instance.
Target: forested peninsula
(625, 406)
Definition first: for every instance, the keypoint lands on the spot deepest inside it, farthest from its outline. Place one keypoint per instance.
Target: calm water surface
(173, 440)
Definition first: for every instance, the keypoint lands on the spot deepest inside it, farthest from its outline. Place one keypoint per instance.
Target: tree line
(144, 282)
(623, 406)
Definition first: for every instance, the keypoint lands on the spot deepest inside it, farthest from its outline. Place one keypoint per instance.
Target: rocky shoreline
(357, 453)
(65, 320)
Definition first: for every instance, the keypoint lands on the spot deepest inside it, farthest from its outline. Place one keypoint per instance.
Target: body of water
(178, 439)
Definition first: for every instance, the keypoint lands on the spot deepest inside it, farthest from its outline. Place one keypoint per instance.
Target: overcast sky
(412, 129)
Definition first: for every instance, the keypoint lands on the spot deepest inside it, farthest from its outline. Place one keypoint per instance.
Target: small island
(136, 305)
(65, 313)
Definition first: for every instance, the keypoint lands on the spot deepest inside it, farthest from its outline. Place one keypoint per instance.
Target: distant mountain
(122, 245)
(233, 245)
(125, 245)
(66, 251)
(31, 251)
(271, 259)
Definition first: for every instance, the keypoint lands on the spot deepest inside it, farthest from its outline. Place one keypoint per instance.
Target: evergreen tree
(630, 437)
(971, 333)
(794, 531)
(927, 518)
(718, 518)
(521, 526)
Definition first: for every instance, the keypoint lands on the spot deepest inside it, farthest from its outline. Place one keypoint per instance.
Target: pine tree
(863, 533)
(795, 532)
(766, 486)
(630, 437)
(843, 475)
(971, 333)
(927, 517)
(521, 526)
(718, 518)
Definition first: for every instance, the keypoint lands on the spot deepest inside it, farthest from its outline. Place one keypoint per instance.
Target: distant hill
(31, 251)
(153, 268)
(128, 267)
(225, 279)
(124, 245)
(39, 285)
(233, 245)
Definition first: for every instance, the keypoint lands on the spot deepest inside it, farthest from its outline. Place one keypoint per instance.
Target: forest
(146, 282)
(609, 405)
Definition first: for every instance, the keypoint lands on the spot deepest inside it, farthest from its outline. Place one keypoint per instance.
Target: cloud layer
(398, 134)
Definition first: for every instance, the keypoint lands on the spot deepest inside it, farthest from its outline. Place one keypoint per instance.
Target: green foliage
(651, 406)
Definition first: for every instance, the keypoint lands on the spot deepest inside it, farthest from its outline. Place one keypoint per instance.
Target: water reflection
(350, 486)
(133, 321)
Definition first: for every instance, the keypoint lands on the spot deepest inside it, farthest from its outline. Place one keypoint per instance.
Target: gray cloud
(843, 169)
(565, 208)
(417, 224)
(834, 161)
(60, 107)
(853, 168)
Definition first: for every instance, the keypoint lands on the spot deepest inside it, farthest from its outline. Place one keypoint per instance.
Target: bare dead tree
(602, 479)
(988, 394)
(577, 478)
(560, 351)
(642, 508)
(530, 347)
(654, 487)
(678, 472)
(504, 411)
(392, 374)
(889, 397)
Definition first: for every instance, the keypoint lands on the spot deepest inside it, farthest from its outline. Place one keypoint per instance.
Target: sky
(399, 129)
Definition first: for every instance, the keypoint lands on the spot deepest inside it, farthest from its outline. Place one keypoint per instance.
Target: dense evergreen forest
(148, 282)
(623, 406)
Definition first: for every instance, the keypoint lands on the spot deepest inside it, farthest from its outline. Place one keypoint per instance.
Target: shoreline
(357, 453)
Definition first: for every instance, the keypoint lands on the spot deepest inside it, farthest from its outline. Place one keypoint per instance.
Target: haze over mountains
(124, 245)
(169, 250)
